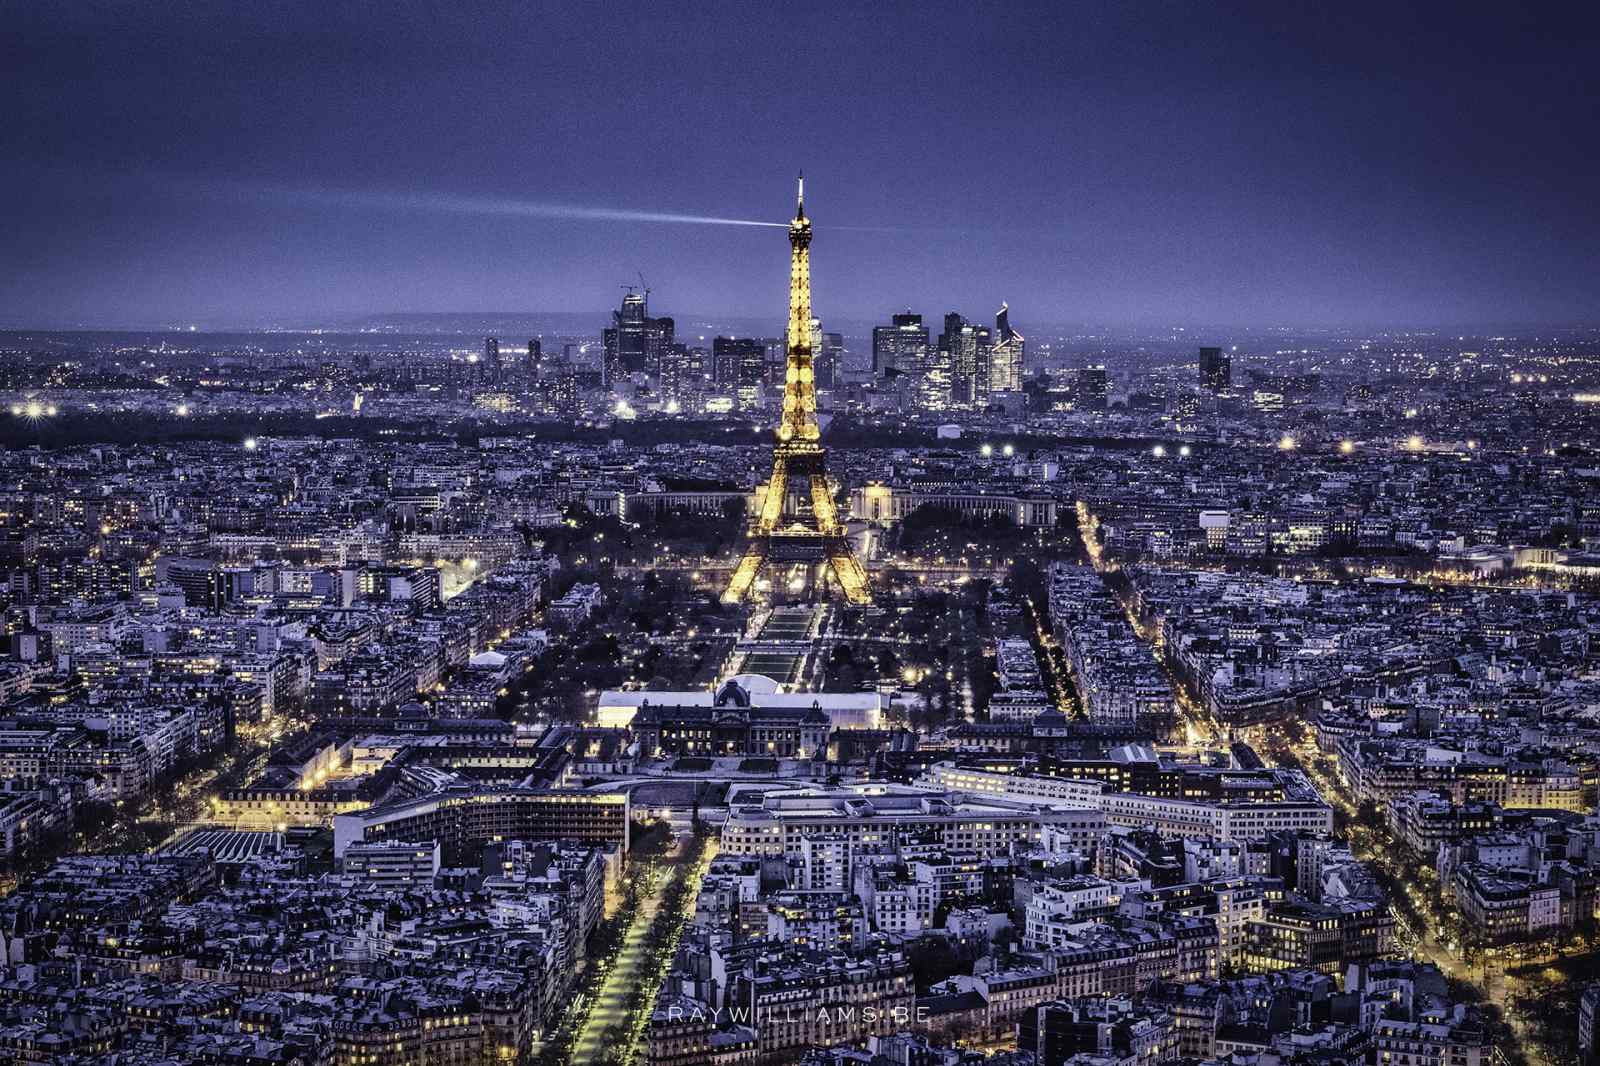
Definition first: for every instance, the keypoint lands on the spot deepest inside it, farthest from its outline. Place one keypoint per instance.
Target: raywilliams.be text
(822, 1015)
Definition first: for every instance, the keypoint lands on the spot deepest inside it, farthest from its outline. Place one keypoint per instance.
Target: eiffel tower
(805, 529)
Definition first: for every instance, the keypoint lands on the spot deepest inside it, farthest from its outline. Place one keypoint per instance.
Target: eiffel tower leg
(744, 575)
(852, 576)
(822, 505)
(772, 502)
(846, 567)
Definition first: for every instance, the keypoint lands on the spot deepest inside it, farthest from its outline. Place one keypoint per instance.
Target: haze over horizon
(1088, 163)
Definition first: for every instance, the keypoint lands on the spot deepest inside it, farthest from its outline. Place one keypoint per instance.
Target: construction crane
(643, 286)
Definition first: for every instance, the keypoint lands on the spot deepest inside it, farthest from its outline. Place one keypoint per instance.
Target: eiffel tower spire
(810, 531)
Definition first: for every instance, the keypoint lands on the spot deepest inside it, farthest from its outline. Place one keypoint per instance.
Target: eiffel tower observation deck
(796, 519)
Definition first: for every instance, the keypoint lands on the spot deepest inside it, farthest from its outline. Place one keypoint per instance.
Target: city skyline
(962, 648)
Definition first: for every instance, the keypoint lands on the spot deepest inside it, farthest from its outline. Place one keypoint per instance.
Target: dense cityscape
(409, 698)
(1029, 533)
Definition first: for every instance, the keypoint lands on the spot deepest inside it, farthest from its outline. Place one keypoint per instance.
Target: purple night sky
(1120, 163)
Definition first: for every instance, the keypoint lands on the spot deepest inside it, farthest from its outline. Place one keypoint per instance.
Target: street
(611, 1002)
(608, 1027)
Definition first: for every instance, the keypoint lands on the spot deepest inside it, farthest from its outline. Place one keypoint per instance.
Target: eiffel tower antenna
(777, 532)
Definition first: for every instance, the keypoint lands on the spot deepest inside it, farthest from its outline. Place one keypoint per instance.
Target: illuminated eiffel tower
(805, 529)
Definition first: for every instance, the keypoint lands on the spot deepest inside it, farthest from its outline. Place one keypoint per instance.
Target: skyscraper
(969, 349)
(982, 361)
(828, 359)
(777, 361)
(943, 389)
(739, 365)
(1216, 370)
(658, 339)
(490, 369)
(635, 342)
(900, 346)
(825, 351)
(535, 357)
(683, 372)
(1009, 357)
(1093, 389)
(724, 364)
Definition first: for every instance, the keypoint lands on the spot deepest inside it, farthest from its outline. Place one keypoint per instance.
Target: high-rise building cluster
(733, 373)
(970, 367)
